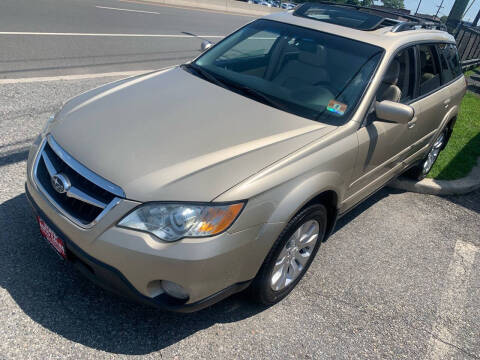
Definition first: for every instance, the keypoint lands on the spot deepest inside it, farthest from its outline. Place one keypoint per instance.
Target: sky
(430, 7)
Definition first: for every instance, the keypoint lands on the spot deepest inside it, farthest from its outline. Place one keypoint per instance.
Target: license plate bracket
(52, 238)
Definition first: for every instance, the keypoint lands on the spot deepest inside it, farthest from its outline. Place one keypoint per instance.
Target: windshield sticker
(337, 107)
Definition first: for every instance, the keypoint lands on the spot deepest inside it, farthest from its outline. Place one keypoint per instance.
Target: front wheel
(290, 256)
(421, 170)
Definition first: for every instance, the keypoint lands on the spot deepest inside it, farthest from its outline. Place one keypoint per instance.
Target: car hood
(172, 136)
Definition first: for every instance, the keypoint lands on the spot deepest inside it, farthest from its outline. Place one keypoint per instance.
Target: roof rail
(413, 25)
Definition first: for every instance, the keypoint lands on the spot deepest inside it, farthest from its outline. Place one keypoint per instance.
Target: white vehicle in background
(260, 2)
(288, 6)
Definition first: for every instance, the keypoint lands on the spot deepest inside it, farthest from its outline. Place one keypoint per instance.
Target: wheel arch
(325, 188)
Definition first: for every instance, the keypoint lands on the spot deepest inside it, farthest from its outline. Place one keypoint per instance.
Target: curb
(441, 187)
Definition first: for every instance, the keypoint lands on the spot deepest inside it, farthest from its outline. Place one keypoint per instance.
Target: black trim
(111, 279)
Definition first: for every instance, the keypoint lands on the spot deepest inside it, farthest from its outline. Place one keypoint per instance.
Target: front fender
(306, 190)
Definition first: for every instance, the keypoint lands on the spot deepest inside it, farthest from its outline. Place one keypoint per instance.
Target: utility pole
(477, 19)
(418, 7)
(439, 7)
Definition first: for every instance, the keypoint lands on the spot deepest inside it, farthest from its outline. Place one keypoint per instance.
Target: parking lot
(400, 277)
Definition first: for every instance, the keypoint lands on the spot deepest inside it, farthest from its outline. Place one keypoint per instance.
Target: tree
(367, 2)
(396, 4)
(443, 19)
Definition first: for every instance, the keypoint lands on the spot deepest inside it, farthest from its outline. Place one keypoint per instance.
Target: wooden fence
(468, 44)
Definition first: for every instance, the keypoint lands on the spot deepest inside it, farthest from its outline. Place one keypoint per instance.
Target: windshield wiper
(205, 74)
(252, 93)
(258, 95)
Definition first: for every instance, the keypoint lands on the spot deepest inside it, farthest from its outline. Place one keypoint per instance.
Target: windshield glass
(312, 74)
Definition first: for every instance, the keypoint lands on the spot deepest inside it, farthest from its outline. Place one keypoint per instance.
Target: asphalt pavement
(53, 40)
(398, 279)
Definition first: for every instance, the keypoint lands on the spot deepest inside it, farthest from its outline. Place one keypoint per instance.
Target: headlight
(174, 221)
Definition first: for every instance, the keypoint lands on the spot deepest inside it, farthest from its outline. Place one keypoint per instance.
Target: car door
(433, 100)
(384, 145)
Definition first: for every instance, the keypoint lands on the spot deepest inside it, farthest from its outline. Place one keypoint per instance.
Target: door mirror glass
(394, 112)
(205, 45)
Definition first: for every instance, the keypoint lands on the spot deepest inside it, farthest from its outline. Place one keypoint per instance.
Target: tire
(263, 289)
(421, 170)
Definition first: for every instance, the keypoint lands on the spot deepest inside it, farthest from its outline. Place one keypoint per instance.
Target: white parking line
(451, 308)
(72, 77)
(130, 10)
(107, 35)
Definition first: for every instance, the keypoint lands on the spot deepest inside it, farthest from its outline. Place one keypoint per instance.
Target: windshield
(312, 74)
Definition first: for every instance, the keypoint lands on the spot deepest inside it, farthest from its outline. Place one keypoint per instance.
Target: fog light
(174, 290)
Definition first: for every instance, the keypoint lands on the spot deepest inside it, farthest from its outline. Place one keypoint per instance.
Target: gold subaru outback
(183, 186)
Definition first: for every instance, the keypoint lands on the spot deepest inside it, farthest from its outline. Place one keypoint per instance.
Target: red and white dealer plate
(52, 238)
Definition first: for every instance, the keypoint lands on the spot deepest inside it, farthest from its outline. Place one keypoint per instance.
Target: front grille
(88, 196)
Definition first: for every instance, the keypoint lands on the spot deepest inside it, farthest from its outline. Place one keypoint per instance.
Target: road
(400, 277)
(44, 54)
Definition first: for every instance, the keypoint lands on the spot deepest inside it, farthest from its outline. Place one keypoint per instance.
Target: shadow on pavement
(11, 157)
(363, 206)
(470, 201)
(59, 299)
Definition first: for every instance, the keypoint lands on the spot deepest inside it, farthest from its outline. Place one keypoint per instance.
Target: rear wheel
(290, 256)
(421, 170)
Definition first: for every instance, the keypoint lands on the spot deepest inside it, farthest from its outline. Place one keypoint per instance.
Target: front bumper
(128, 262)
(111, 279)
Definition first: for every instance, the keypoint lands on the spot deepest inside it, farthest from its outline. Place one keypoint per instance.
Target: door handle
(411, 124)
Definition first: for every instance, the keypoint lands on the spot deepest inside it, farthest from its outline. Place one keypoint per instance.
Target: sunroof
(338, 15)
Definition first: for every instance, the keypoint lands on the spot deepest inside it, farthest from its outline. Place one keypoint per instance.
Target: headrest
(393, 73)
(315, 55)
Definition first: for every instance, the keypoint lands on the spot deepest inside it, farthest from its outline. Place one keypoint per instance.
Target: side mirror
(206, 45)
(394, 112)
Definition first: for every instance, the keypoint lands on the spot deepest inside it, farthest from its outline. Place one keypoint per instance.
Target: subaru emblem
(60, 183)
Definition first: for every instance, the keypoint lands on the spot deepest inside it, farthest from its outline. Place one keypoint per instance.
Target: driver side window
(398, 83)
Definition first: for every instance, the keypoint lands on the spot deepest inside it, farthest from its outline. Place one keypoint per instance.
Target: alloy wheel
(295, 254)
(433, 154)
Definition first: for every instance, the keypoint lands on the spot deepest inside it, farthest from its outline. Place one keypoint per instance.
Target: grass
(471, 72)
(463, 149)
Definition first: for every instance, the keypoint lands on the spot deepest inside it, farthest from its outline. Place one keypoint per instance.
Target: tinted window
(429, 69)
(312, 74)
(406, 80)
(450, 64)
(398, 83)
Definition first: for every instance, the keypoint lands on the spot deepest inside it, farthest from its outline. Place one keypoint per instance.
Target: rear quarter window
(449, 61)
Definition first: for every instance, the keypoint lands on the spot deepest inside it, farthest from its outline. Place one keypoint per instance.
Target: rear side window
(429, 69)
(450, 63)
